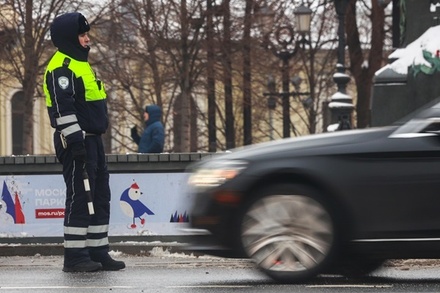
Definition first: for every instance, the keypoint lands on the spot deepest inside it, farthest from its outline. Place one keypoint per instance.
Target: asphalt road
(162, 271)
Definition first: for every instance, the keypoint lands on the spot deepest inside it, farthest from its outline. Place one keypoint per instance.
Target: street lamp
(303, 19)
(284, 47)
(341, 105)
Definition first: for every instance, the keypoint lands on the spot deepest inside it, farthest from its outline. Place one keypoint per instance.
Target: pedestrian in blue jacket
(153, 138)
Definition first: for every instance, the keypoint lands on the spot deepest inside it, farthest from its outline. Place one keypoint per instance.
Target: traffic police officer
(76, 102)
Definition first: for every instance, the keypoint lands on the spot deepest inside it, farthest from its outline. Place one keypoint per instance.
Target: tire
(289, 232)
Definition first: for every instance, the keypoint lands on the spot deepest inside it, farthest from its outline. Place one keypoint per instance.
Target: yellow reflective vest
(71, 88)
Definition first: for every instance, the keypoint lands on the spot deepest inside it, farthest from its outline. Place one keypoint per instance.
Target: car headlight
(216, 173)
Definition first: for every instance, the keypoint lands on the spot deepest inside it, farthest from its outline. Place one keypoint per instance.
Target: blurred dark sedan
(341, 202)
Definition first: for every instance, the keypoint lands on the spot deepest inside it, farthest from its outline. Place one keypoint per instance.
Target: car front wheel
(289, 232)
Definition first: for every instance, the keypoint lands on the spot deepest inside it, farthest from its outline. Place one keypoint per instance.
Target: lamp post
(341, 105)
(284, 47)
(271, 102)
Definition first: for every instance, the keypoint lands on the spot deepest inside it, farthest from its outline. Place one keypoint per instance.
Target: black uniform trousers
(85, 236)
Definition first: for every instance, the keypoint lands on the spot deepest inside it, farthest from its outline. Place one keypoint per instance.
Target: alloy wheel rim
(287, 233)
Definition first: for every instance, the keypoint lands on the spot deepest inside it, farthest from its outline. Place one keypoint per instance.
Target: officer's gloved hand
(134, 132)
(79, 151)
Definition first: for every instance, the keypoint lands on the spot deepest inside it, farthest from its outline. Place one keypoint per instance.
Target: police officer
(76, 103)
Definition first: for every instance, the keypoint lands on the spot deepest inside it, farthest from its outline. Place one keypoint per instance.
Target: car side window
(418, 128)
(433, 126)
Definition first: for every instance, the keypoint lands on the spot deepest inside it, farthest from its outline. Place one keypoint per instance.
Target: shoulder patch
(63, 82)
(66, 62)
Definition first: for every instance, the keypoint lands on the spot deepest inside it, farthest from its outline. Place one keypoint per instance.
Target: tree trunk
(227, 77)
(29, 81)
(247, 77)
(194, 132)
(185, 84)
(362, 74)
(212, 129)
(153, 58)
(177, 127)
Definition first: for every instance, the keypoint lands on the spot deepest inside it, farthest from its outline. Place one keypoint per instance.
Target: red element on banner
(19, 216)
(49, 213)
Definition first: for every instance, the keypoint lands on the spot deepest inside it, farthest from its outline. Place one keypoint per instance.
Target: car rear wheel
(289, 233)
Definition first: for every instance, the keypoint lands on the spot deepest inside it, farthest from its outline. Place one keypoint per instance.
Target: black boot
(110, 264)
(85, 266)
(100, 254)
(107, 262)
(78, 260)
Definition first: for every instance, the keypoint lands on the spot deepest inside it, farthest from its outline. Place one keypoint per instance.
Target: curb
(47, 249)
(131, 245)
